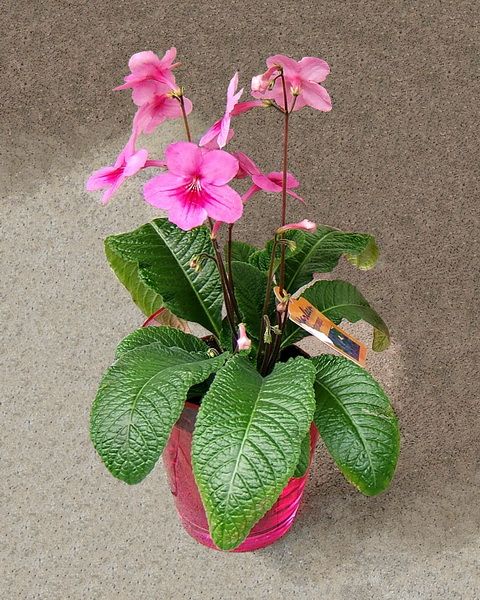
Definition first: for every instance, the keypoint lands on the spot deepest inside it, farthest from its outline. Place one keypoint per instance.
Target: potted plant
(235, 412)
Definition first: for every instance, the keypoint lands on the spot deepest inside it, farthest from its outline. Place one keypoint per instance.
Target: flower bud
(215, 229)
(243, 342)
(304, 225)
(196, 263)
(259, 84)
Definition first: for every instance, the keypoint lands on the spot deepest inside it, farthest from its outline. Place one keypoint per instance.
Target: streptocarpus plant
(256, 407)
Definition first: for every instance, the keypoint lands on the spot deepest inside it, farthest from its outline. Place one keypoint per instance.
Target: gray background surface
(397, 157)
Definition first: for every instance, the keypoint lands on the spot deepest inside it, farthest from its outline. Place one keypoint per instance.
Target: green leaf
(367, 258)
(320, 253)
(356, 422)
(340, 300)
(139, 400)
(261, 258)
(247, 442)
(147, 300)
(164, 336)
(241, 251)
(162, 253)
(304, 460)
(250, 288)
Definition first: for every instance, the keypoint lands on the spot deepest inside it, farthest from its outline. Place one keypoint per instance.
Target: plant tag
(306, 316)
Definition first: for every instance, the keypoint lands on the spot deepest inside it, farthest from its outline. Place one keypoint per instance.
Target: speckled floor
(397, 157)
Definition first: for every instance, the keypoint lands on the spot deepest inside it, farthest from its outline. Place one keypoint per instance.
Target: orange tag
(306, 316)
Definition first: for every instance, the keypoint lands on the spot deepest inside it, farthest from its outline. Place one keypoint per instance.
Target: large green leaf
(147, 300)
(261, 258)
(356, 422)
(250, 287)
(320, 253)
(340, 300)
(139, 400)
(241, 251)
(304, 458)
(161, 335)
(367, 258)
(162, 253)
(247, 442)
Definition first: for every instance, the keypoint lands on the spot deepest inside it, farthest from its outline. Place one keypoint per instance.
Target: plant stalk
(229, 304)
(284, 180)
(185, 119)
(262, 350)
(230, 271)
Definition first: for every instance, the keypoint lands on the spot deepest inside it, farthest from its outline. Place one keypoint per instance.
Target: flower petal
(135, 162)
(145, 91)
(243, 107)
(171, 108)
(266, 184)
(102, 178)
(290, 66)
(164, 190)
(222, 203)
(169, 57)
(110, 191)
(313, 69)
(186, 214)
(218, 167)
(143, 61)
(295, 195)
(246, 166)
(277, 177)
(224, 131)
(252, 190)
(167, 181)
(211, 133)
(183, 158)
(316, 96)
(232, 98)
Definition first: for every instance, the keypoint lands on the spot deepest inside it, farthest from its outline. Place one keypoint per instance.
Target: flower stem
(271, 357)
(230, 271)
(185, 119)
(262, 350)
(284, 179)
(229, 303)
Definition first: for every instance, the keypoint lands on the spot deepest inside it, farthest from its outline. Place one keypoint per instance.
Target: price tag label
(305, 315)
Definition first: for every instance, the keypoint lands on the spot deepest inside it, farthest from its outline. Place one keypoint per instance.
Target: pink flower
(150, 75)
(160, 108)
(153, 91)
(220, 133)
(110, 178)
(243, 341)
(270, 182)
(304, 225)
(260, 83)
(195, 186)
(302, 83)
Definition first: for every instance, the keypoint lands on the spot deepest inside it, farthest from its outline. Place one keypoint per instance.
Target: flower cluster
(195, 186)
